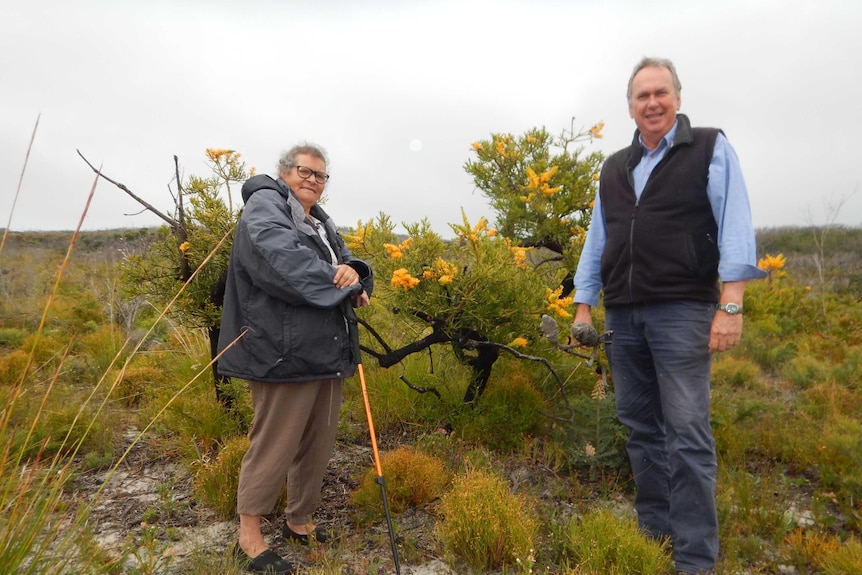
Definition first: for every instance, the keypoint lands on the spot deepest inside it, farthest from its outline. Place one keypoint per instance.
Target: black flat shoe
(268, 562)
(319, 535)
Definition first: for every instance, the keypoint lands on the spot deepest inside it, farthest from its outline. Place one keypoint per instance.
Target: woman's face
(307, 189)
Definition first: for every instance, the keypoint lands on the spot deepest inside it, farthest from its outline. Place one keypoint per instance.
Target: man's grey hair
(648, 62)
(288, 159)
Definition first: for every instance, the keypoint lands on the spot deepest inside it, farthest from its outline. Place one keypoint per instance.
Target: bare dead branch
(170, 221)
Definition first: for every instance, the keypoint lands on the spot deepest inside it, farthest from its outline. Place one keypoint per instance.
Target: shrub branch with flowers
(476, 289)
(541, 187)
(487, 289)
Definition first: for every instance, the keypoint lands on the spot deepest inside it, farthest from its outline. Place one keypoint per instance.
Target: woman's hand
(360, 300)
(345, 276)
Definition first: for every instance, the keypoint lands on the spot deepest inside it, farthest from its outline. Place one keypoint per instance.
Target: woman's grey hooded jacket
(292, 322)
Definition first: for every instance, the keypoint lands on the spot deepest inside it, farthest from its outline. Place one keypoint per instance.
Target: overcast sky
(397, 91)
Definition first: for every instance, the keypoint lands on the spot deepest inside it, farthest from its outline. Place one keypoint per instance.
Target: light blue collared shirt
(728, 197)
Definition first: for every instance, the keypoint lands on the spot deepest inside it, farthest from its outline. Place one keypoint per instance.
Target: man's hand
(582, 327)
(726, 331)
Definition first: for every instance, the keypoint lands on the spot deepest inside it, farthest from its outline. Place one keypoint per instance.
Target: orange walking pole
(380, 479)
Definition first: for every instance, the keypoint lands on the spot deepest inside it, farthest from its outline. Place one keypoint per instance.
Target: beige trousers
(292, 437)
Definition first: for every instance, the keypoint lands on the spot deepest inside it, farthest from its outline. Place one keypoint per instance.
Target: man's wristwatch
(730, 308)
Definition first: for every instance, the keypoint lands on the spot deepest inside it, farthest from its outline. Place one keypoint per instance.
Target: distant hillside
(834, 252)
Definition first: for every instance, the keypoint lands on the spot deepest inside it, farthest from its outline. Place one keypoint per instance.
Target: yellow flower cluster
(443, 272)
(596, 131)
(477, 146)
(402, 278)
(772, 263)
(518, 342)
(541, 182)
(219, 154)
(357, 240)
(397, 252)
(519, 254)
(184, 247)
(556, 304)
(500, 145)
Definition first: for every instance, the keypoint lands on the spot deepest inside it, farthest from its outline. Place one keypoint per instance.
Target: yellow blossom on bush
(546, 177)
(500, 146)
(215, 154)
(357, 240)
(444, 280)
(402, 278)
(519, 254)
(518, 342)
(444, 268)
(772, 265)
(532, 179)
(596, 131)
(397, 252)
(394, 251)
(477, 146)
(589, 450)
(492, 232)
(541, 181)
(596, 177)
(556, 304)
(184, 247)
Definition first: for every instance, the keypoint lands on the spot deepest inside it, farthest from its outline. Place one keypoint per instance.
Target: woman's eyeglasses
(305, 173)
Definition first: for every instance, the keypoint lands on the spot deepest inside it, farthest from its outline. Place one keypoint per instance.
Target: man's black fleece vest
(663, 246)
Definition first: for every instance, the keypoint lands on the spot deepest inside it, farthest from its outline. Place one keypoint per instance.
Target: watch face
(731, 308)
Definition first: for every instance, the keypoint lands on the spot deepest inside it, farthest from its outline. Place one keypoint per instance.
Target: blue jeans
(660, 366)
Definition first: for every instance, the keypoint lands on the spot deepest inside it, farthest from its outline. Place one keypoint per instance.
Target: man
(671, 218)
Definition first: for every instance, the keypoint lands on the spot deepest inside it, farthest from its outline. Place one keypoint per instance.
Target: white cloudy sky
(131, 84)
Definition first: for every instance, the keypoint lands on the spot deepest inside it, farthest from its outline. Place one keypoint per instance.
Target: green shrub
(412, 479)
(509, 411)
(601, 543)
(12, 337)
(485, 524)
(735, 372)
(216, 481)
(805, 370)
(846, 560)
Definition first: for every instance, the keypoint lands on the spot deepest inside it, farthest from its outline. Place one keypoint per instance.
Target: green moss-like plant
(603, 543)
(412, 479)
(485, 524)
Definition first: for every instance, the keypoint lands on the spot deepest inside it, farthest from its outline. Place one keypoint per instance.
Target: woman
(288, 327)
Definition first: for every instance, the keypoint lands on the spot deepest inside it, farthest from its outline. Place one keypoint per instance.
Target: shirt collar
(665, 143)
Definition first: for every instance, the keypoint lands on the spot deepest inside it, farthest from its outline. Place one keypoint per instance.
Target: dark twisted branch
(472, 344)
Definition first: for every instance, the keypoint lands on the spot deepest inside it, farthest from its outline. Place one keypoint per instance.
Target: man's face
(654, 103)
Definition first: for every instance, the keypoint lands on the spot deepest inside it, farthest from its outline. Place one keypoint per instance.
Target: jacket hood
(260, 182)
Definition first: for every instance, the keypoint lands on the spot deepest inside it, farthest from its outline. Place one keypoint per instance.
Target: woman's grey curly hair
(288, 159)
